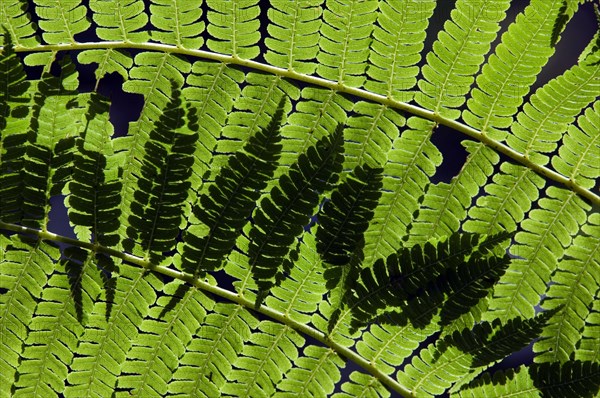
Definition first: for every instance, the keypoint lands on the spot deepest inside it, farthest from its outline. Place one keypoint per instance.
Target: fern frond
(212, 91)
(281, 216)
(24, 272)
(346, 216)
(507, 200)
(294, 34)
(362, 385)
(370, 134)
(457, 55)
(514, 382)
(156, 212)
(120, 20)
(552, 109)
(54, 126)
(16, 19)
(491, 109)
(511, 71)
(315, 374)
(153, 77)
(105, 342)
(578, 156)
(94, 191)
(398, 39)
(461, 354)
(14, 122)
(108, 61)
(56, 326)
(453, 275)
(317, 113)
(234, 27)
(164, 336)
(516, 187)
(546, 233)
(345, 39)
(445, 205)
(588, 348)
(411, 162)
(263, 362)
(177, 22)
(300, 294)
(571, 379)
(231, 199)
(207, 363)
(573, 286)
(253, 111)
(61, 20)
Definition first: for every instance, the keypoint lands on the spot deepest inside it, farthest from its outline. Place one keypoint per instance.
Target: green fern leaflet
(276, 221)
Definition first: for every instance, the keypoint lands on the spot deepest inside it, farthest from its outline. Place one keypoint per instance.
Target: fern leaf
(94, 193)
(156, 212)
(508, 200)
(317, 113)
(300, 294)
(444, 205)
(514, 382)
(457, 55)
(515, 188)
(546, 234)
(552, 109)
(411, 162)
(56, 326)
(588, 348)
(573, 287)
(212, 90)
(207, 363)
(314, 374)
(452, 359)
(61, 20)
(294, 37)
(120, 20)
(346, 216)
(370, 134)
(395, 51)
(362, 385)
(105, 342)
(260, 93)
(345, 39)
(24, 272)
(162, 341)
(456, 278)
(280, 218)
(262, 363)
(152, 76)
(234, 26)
(512, 69)
(177, 22)
(51, 135)
(108, 61)
(16, 20)
(577, 157)
(392, 338)
(14, 122)
(231, 199)
(574, 378)
(446, 212)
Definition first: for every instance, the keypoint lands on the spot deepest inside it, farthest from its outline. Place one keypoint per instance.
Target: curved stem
(317, 81)
(223, 293)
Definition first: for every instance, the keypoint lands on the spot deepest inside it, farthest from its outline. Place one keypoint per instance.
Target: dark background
(125, 107)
